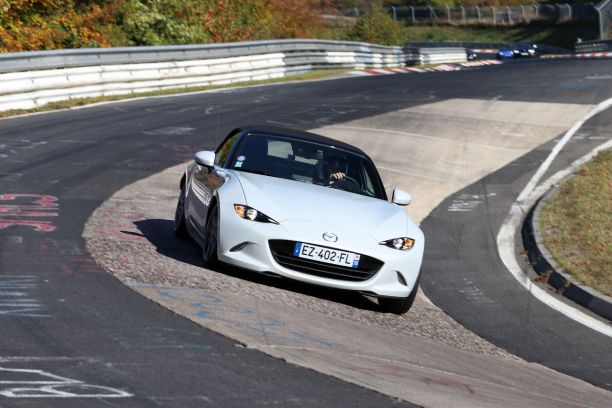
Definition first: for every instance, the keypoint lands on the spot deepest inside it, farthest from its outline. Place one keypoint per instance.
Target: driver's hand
(337, 176)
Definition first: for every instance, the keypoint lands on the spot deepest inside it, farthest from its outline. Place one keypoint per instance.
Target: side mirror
(401, 197)
(205, 158)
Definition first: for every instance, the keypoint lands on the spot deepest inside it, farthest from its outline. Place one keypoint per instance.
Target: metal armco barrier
(593, 46)
(437, 55)
(31, 79)
(26, 61)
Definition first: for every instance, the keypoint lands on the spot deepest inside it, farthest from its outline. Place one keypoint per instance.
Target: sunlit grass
(577, 224)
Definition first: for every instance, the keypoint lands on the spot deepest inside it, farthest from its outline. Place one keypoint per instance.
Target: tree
(377, 27)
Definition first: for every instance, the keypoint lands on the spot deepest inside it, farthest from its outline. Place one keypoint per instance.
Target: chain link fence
(493, 15)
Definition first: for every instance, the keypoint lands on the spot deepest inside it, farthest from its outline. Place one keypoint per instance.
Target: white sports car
(298, 205)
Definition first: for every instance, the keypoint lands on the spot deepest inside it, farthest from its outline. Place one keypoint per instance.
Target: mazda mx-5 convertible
(302, 206)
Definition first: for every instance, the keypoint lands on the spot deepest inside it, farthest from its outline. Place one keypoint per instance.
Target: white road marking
(49, 385)
(274, 122)
(46, 378)
(171, 131)
(468, 202)
(14, 297)
(599, 76)
(526, 199)
(560, 144)
(27, 359)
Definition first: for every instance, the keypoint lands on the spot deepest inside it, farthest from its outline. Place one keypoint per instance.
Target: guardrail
(32, 79)
(26, 61)
(593, 46)
(437, 55)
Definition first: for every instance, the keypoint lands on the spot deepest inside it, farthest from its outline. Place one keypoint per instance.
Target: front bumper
(246, 244)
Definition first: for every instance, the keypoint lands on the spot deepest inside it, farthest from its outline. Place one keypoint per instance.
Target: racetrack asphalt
(60, 313)
(466, 278)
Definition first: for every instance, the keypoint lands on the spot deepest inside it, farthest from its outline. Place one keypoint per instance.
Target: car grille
(282, 251)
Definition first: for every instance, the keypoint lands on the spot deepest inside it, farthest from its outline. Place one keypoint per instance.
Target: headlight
(402, 244)
(248, 213)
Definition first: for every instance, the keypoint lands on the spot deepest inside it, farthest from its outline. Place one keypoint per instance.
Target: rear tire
(211, 238)
(399, 306)
(180, 228)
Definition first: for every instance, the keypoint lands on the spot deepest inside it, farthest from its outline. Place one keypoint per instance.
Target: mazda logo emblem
(331, 237)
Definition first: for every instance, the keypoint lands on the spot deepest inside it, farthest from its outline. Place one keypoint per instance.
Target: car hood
(285, 200)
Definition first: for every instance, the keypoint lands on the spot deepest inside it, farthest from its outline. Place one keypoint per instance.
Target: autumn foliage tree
(49, 24)
(376, 26)
(155, 22)
(289, 18)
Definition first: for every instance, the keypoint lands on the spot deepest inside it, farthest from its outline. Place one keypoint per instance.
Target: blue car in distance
(505, 53)
(517, 50)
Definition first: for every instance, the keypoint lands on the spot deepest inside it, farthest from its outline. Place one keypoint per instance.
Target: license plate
(327, 255)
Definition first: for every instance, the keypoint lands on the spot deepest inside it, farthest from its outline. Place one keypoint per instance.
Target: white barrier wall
(42, 77)
(441, 55)
(24, 90)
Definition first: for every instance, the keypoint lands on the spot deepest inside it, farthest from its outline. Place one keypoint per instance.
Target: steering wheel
(338, 182)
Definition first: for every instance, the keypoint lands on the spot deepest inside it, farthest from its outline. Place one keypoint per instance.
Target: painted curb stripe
(439, 68)
(580, 55)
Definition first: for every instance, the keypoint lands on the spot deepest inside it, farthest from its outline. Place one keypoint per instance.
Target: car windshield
(308, 162)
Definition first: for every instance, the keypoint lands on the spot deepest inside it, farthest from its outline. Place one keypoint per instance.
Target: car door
(205, 182)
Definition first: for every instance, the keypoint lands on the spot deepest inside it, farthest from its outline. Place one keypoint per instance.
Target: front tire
(180, 228)
(211, 239)
(399, 306)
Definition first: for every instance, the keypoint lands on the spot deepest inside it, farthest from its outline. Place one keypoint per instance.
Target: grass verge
(576, 224)
(71, 103)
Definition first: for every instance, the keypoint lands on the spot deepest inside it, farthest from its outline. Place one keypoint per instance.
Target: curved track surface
(75, 330)
(467, 279)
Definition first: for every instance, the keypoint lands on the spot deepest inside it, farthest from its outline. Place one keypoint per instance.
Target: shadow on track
(160, 233)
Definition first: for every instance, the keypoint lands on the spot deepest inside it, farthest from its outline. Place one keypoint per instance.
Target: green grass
(71, 103)
(561, 35)
(576, 224)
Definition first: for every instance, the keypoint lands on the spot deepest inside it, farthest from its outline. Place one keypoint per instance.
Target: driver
(337, 167)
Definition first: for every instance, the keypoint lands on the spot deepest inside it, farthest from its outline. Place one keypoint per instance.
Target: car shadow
(161, 234)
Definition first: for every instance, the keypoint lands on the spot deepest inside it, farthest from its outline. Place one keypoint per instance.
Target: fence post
(523, 13)
(356, 11)
(478, 13)
(569, 9)
(394, 13)
(537, 10)
(412, 13)
(431, 13)
(509, 15)
(448, 14)
(463, 14)
(494, 16)
(602, 30)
